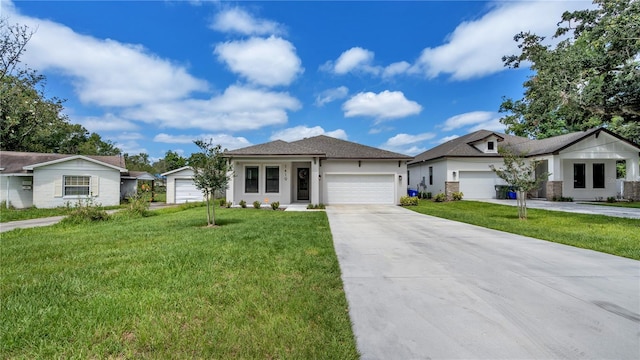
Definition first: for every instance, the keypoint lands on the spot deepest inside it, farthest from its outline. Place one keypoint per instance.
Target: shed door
(186, 191)
(479, 184)
(359, 189)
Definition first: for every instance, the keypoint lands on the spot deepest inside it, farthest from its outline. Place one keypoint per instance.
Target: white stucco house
(582, 165)
(53, 180)
(314, 170)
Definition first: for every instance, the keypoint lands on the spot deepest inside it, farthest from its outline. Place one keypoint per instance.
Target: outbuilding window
(272, 179)
(251, 179)
(77, 185)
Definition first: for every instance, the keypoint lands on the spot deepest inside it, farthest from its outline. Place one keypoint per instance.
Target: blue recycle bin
(412, 193)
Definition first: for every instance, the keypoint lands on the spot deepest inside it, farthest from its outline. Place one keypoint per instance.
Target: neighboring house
(52, 180)
(317, 170)
(582, 165)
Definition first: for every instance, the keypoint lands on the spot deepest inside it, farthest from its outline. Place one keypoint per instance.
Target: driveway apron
(421, 287)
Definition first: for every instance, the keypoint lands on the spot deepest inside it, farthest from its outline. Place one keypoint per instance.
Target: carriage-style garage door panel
(186, 191)
(359, 189)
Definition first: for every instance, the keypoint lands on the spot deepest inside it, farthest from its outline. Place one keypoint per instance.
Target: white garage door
(186, 191)
(359, 189)
(478, 184)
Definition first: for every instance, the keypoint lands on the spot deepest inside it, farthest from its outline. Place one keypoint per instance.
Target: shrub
(137, 206)
(562, 199)
(275, 205)
(409, 200)
(86, 211)
(256, 204)
(228, 204)
(611, 199)
(243, 204)
(222, 202)
(457, 195)
(315, 206)
(440, 197)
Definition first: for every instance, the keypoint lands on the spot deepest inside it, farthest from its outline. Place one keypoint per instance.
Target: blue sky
(153, 76)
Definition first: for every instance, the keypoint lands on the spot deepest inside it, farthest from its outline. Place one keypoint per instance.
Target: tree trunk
(208, 196)
(522, 204)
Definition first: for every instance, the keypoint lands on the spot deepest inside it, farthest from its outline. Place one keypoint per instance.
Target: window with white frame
(77, 185)
(490, 146)
(272, 178)
(251, 179)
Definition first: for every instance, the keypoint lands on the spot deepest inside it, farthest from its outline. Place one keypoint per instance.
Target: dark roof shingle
(13, 162)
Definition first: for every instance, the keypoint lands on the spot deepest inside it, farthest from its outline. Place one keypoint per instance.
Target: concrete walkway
(575, 207)
(421, 287)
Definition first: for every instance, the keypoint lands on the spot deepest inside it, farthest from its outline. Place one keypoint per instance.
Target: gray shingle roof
(322, 146)
(14, 161)
(462, 146)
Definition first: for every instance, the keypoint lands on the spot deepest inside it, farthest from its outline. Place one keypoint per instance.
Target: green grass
(596, 232)
(265, 284)
(7, 215)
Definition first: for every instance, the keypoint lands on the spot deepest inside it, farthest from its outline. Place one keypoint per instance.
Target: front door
(303, 183)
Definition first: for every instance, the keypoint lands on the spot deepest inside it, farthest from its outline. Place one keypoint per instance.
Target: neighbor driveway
(421, 287)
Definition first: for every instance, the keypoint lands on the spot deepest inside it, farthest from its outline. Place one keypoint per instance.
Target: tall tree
(211, 173)
(29, 121)
(139, 162)
(591, 78)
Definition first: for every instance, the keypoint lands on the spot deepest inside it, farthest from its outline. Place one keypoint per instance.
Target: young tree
(212, 173)
(520, 175)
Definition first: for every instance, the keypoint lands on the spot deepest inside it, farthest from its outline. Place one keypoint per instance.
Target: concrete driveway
(421, 287)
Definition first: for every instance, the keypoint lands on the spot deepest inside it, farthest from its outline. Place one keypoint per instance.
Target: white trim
(74, 157)
(176, 170)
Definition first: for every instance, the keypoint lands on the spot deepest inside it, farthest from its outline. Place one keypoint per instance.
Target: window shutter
(57, 187)
(95, 186)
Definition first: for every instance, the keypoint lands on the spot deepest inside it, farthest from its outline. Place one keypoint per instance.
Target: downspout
(8, 201)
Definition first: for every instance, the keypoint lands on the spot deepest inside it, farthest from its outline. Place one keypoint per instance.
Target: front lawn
(626, 204)
(597, 232)
(11, 214)
(265, 284)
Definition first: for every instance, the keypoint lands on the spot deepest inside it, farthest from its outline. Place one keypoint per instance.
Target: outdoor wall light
(454, 175)
(400, 177)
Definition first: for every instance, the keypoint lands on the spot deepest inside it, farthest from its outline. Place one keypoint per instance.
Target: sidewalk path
(574, 207)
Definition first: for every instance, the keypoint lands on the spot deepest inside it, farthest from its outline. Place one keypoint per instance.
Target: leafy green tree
(139, 162)
(519, 174)
(591, 78)
(29, 121)
(211, 173)
(173, 160)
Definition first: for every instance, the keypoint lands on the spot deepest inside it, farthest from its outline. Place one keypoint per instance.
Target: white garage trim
(186, 191)
(479, 184)
(359, 189)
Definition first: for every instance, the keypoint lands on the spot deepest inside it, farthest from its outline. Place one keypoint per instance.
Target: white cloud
(355, 59)
(382, 106)
(475, 118)
(269, 62)
(331, 95)
(491, 125)
(238, 20)
(301, 132)
(475, 48)
(407, 144)
(226, 141)
(107, 122)
(106, 72)
(396, 68)
(448, 138)
(238, 108)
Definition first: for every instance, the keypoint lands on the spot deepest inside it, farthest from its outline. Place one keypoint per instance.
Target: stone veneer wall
(554, 189)
(450, 187)
(631, 190)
